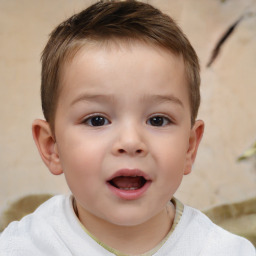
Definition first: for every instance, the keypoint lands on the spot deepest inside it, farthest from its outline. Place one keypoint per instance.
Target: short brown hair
(108, 20)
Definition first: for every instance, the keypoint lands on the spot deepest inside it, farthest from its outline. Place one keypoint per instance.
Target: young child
(120, 95)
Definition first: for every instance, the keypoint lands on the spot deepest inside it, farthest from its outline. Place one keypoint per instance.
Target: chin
(128, 218)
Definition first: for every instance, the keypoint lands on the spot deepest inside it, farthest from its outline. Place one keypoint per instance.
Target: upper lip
(129, 173)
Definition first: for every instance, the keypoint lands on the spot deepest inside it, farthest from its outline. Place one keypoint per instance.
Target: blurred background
(224, 35)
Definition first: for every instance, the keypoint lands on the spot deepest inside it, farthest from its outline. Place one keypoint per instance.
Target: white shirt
(53, 229)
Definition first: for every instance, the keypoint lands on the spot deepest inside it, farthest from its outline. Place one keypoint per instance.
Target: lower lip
(129, 194)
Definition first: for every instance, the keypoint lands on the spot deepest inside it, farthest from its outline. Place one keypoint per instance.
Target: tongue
(125, 182)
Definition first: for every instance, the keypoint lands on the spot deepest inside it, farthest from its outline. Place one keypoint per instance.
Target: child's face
(123, 131)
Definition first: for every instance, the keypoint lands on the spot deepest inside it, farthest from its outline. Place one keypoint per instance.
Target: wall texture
(228, 95)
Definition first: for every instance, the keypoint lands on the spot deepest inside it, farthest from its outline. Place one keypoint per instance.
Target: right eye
(96, 120)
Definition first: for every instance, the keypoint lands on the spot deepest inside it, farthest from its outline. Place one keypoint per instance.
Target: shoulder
(44, 211)
(213, 239)
(53, 229)
(26, 234)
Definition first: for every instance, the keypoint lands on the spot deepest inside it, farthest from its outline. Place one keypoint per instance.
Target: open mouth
(128, 182)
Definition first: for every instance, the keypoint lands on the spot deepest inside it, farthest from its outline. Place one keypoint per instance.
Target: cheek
(79, 150)
(172, 172)
(171, 160)
(82, 173)
(172, 151)
(81, 161)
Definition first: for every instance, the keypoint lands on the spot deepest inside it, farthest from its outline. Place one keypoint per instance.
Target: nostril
(122, 151)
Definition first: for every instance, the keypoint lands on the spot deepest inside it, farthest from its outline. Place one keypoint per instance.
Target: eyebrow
(92, 97)
(110, 98)
(163, 98)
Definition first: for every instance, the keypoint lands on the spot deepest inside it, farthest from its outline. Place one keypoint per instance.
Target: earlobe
(46, 146)
(196, 135)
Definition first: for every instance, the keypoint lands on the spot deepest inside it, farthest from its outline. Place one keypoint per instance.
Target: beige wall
(228, 96)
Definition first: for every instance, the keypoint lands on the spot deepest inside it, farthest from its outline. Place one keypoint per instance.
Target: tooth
(132, 188)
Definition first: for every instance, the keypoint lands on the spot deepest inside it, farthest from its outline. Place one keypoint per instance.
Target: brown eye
(158, 121)
(96, 121)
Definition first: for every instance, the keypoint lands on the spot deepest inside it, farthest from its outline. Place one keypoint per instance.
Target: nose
(130, 140)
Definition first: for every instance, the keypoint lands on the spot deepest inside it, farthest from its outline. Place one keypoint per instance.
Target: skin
(126, 86)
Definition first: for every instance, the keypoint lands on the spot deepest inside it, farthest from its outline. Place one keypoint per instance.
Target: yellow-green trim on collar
(179, 207)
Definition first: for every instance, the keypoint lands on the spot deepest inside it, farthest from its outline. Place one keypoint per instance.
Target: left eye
(158, 121)
(96, 121)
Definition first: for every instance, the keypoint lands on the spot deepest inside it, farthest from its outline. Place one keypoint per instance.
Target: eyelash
(160, 120)
(89, 120)
(164, 121)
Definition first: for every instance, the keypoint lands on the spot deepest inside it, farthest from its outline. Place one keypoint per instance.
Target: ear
(46, 146)
(196, 135)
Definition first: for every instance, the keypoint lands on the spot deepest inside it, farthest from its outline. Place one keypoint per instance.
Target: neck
(130, 239)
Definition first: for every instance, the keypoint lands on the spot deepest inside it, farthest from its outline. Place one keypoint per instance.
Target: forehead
(85, 47)
(112, 64)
